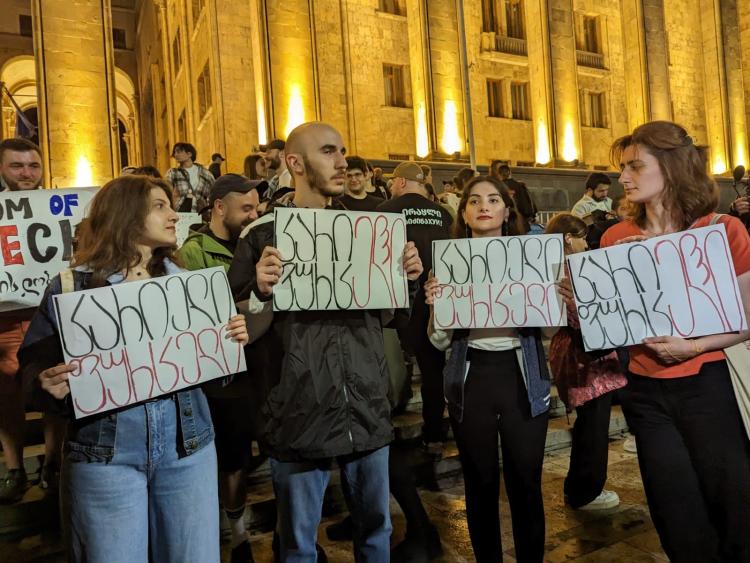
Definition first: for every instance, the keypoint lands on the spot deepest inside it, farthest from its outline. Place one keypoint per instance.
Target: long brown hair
(566, 224)
(515, 222)
(108, 237)
(689, 190)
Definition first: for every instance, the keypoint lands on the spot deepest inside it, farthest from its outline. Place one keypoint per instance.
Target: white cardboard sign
(135, 341)
(682, 284)
(498, 282)
(36, 240)
(183, 225)
(340, 260)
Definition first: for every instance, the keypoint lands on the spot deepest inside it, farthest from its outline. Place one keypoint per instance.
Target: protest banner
(183, 225)
(337, 260)
(493, 282)
(135, 341)
(36, 240)
(682, 284)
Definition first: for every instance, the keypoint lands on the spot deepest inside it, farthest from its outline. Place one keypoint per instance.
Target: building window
(514, 19)
(489, 18)
(204, 92)
(393, 7)
(176, 52)
(396, 93)
(197, 9)
(519, 101)
(119, 38)
(495, 98)
(594, 109)
(181, 127)
(587, 36)
(24, 25)
(504, 17)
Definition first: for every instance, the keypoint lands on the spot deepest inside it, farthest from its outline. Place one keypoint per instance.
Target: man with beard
(20, 165)
(234, 202)
(328, 378)
(281, 178)
(358, 176)
(20, 169)
(595, 197)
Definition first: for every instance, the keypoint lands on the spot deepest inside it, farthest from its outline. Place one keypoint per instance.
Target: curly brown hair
(107, 239)
(516, 224)
(689, 191)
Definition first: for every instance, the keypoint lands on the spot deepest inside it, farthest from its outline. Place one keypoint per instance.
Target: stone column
(564, 81)
(634, 51)
(421, 86)
(540, 85)
(714, 85)
(736, 96)
(657, 60)
(75, 67)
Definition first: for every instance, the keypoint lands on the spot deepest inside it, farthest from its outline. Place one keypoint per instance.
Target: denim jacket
(536, 374)
(93, 438)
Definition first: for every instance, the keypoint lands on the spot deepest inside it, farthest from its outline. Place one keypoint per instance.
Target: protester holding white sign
(693, 450)
(125, 470)
(494, 282)
(340, 260)
(496, 379)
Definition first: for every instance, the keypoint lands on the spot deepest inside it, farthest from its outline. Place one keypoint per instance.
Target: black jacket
(326, 370)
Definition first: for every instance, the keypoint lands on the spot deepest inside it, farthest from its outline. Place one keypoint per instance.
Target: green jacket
(201, 251)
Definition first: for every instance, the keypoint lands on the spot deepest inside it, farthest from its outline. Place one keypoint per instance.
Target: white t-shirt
(193, 175)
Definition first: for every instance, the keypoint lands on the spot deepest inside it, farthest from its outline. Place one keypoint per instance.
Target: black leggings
(589, 451)
(495, 399)
(694, 456)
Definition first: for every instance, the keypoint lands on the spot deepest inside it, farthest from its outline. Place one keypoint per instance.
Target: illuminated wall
(77, 93)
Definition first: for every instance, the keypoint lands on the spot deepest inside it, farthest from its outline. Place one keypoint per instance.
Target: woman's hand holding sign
(54, 380)
(412, 262)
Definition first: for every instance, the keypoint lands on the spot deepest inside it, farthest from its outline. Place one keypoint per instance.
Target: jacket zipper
(346, 396)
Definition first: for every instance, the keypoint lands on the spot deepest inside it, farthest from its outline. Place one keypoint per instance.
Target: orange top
(642, 360)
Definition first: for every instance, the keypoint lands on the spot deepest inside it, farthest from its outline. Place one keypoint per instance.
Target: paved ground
(624, 534)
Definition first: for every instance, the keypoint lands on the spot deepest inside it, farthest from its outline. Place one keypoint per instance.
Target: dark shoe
(13, 486)
(418, 548)
(341, 531)
(322, 557)
(242, 553)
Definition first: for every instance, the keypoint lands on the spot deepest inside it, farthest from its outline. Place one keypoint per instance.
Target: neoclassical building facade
(536, 82)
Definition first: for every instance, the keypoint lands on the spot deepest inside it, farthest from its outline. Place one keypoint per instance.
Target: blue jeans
(147, 500)
(300, 487)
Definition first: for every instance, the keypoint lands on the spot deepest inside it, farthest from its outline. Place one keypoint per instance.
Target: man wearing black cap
(234, 202)
(215, 166)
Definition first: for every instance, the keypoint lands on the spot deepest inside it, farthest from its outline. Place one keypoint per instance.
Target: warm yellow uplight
(84, 176)
(451, 142)
(740, 153)
(570, 152)
(296, 113)
(262, 131)
(423, 143)
(719, 165)
(542, 144)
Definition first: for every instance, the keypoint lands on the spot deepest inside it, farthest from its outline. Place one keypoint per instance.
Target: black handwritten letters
(339, 260)
(676, 285)
(36, 240)
(498, 282)
(132, 342)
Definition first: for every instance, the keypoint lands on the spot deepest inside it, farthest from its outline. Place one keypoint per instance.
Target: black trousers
(589, 451)
(495, 400)
(431, 362)
(694, 456)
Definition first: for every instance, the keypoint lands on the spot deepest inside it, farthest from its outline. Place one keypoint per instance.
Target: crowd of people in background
(322, 386)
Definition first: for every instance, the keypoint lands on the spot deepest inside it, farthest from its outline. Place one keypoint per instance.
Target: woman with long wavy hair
(693, 450)
(496, 381)
(139, 483)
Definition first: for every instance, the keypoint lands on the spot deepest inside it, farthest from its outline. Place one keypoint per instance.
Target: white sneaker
(629, 445)
(606, 499)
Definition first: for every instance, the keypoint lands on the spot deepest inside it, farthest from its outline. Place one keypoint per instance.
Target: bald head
(315, 158)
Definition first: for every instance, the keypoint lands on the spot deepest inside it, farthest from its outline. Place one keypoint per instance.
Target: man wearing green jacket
(234, 205)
